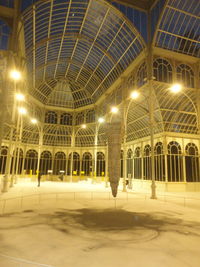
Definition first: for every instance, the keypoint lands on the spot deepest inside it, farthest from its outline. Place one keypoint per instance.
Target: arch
(185, 75)
(147, 162)
(45, 162)
(100, 164)
(31, 161)
(137, 163)
(66, 119)
(159, 162)
(87, 163)
(90, 116)
(75, 164)
(162, 70)
(3, 159)
(174, 162)
(98, 65)
(79, 118)
(51, 117)
(192, 163)
(59, 163)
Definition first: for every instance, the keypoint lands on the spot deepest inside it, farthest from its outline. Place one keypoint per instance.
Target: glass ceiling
(179, 28)
(76, 49)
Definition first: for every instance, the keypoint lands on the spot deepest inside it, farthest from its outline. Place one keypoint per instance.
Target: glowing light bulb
(22, 110)
(114, 109)
(20, 97)
(15, 75)
(101, 120)
(176, 88)
(134, 94)
(34, 121)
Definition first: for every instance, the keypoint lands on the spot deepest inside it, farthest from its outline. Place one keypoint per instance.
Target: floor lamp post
(21, 111)
(15, 76)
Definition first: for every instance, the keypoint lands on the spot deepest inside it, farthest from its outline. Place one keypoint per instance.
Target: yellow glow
(15, 75)
(83, 126)
(20, 97)
(22, 110)
(176, 88)
(101, 120)
(134, 94)
(34, 121)
(114, 109)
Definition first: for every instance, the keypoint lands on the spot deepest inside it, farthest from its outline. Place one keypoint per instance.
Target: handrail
(24, 261)
(91, 195)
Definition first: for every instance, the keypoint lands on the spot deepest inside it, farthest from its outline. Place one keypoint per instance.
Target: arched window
(66, 119)
(162, 70)
(59, 163)
(129, 163)
(192, 163)
(51, 117)
(3, 158)
(45, 162)
(31, 161)
(147, 162)
(90, 116)
(100, 164)
(174, 162)
(137, 164)
(185, 75)
(142, 74)
(79, 118)
(87, 163)
(4, 35)
(159, 162)
(75, 164)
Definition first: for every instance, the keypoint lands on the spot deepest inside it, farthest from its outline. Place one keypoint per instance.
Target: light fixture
(83, 126)
(101, 120)
(134, 94)
(15, 75)
(20, 97)
(176, 88)
(34, 121)
(114, 109)
(22, 110)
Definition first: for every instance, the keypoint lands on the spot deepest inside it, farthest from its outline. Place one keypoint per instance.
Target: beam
(143, 5)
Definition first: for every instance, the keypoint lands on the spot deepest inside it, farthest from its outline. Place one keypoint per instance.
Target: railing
(6, 261)
(36, 200)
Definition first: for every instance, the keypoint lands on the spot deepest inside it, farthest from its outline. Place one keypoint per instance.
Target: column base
(5, 184)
